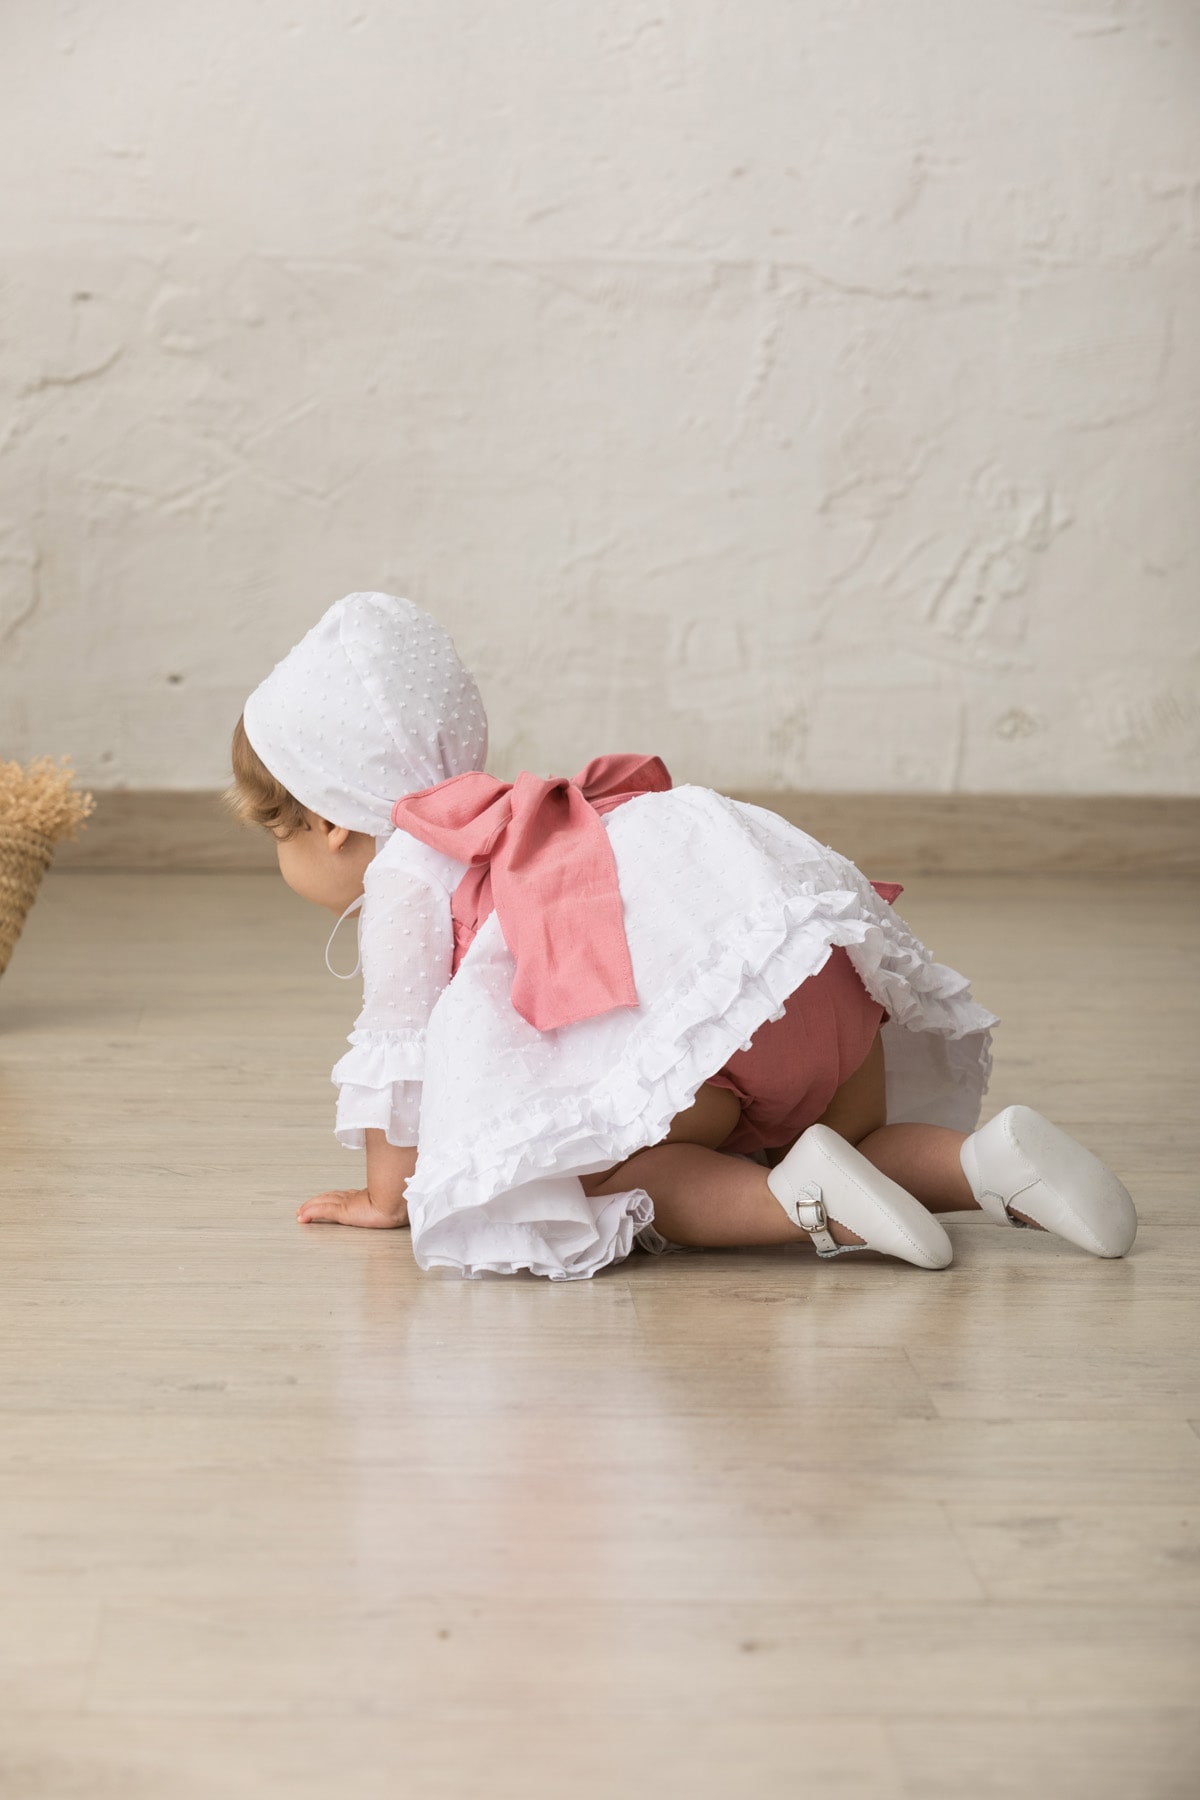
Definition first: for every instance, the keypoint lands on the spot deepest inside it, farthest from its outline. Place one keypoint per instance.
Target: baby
(611, 1011)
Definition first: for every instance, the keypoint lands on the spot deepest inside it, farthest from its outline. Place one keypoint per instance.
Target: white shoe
(822, 1177)
(1020, 1162)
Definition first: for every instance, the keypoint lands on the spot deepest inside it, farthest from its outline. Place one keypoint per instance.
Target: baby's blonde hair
(256, 797)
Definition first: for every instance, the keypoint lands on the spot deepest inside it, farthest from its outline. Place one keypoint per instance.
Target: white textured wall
(805, 389)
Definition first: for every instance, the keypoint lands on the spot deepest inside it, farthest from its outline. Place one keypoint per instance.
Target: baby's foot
(830, 1190)
(1025, 1171)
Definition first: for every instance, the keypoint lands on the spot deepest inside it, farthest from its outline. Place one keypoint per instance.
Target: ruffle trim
(378, 1058)
(395, 1111)
(684, 1040)
(581, 1241)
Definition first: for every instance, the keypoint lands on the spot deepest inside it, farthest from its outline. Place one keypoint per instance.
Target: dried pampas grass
(39, 797)
(38, 809)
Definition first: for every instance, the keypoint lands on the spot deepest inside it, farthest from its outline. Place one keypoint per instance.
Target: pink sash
(539, 857)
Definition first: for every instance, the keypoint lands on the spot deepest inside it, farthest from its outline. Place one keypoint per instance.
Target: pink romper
(795, 1065)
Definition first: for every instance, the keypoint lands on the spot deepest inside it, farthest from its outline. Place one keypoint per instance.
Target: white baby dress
(727, 910)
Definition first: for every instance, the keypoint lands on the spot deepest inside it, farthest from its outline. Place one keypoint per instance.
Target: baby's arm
(382, 1203)
(406, 940)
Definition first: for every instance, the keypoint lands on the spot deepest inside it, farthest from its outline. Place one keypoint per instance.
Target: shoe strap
(990, 1202)
(808, 1211)
(995, 1207)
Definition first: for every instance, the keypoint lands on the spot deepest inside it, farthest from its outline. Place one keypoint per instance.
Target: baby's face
(326, 863)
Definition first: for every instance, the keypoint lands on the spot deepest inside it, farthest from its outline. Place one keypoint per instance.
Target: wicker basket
(24, 858)
(39, 807)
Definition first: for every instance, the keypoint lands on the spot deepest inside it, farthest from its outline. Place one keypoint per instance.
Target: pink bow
(540, 858)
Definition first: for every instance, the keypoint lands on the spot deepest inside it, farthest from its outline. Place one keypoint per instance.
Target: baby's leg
(709, 1120)
(702, 1197)
(705, 1198)
(923, 1159)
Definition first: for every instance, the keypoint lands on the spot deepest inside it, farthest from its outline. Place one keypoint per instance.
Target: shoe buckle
(810, 1212)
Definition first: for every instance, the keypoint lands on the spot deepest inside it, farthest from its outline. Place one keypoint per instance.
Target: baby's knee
(709, 1120)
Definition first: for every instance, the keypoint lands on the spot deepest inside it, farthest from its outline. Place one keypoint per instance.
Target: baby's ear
(336, 836)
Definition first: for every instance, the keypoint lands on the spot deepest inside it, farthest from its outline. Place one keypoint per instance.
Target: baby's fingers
(327, 1209)
(351, 1207)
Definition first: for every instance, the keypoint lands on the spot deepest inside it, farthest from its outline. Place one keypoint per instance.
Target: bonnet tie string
(354, 906)
(538, 856)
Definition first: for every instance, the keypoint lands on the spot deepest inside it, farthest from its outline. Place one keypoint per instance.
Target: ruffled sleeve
(407, 945)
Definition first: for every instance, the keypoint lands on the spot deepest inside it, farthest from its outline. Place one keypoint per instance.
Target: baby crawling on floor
(609, 1012)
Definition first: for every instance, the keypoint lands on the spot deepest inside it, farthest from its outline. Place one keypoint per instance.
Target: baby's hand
(351, 1206)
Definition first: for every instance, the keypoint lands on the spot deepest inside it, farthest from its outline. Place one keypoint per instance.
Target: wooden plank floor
(282, 1519)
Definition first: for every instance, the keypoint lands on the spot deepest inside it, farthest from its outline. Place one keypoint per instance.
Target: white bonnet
(371, 705)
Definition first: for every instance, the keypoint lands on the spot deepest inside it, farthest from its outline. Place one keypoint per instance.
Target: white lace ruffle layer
(728, 910)
(380, 1080)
